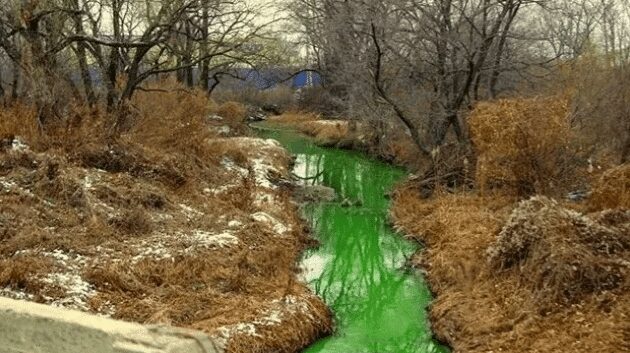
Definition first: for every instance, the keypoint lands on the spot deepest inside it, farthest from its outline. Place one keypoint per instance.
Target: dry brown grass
(290, 118)
(561, 255)
(524, 145)
(612, 189)
(396, 147)
(173, 120)
(232, 111)
(133, 215)
(325, 132)
(482, 308)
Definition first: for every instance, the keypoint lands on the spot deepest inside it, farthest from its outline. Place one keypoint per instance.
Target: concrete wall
(34, 328)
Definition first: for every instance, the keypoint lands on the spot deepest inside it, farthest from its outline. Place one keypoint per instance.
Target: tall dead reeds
(524, 145)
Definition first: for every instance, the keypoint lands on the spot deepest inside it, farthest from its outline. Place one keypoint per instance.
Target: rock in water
(315, 193)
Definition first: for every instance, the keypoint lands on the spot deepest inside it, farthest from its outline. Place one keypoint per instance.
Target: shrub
(524, 144)
(282, 97)
(174, 120)
(232, 111)
(560, 254)
(320, 100)
(612, 189)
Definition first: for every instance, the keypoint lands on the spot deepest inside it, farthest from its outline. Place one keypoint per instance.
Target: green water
(359, 269)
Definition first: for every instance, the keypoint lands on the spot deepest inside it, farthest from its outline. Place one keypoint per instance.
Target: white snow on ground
(152, 248)
(269, 220)
(229, 164)
(225, 333)
(162, 246)
(224, 130)
(18, 145)
(222, 189)
(235, 224)
(15, 294)
(215, 117)
(275, 315)
(330, 122)
(190, 212)
(261, 171)
(9, 186)
(77, 290)
(202, 239)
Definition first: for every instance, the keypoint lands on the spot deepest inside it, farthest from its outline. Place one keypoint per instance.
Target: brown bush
(19, 120)
(172, 121)
(82, 125)
(134, 221)
(525, 145)
(612, 189)
(560, 254)
(19, 272)
(295, 117)
(119, 158)
(232, 111)
(320, 100)
(281, 97)
(600, 95)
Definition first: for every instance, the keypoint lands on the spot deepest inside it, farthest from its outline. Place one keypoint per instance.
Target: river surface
(359, 268)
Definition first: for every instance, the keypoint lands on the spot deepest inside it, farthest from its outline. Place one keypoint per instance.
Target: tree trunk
(114, 59)
(15, 88)
(494, 75)
(625, 154)
(204, 78)
(190, 77)
(81, 52)
(1, 85)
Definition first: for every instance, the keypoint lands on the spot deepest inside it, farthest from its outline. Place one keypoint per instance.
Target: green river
(359, 268)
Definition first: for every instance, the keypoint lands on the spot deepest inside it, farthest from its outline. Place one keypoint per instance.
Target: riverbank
(554, 290)
(396, 149)
(513, 274)
(179, 220)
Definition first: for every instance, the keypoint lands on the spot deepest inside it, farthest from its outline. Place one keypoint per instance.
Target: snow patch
(205, 239)
(267, 219)
(18, 145)
(155, 250)
(229, 164)
(261, 171)
(77, 290)
(15, 294)
(190, 212)
(225, 333)
(235, 224)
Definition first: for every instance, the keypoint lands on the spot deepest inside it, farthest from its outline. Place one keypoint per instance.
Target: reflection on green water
(358, 269)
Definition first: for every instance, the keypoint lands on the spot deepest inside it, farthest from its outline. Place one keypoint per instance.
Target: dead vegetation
(524, 145)
(561, 255)
(528, 276)
(612, 189)
(162, 222)
(540, 302)
(397, 147)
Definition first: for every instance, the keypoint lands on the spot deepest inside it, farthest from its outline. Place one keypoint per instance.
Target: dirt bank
(168, 223)
(396, 148)
(521, 277)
